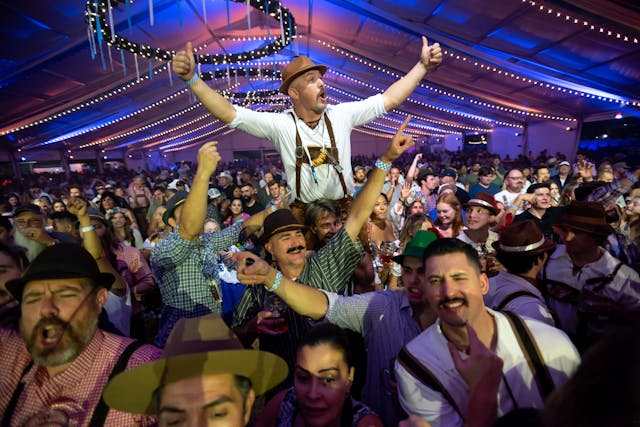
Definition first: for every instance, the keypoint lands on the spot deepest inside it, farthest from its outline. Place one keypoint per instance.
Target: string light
(581, 22)
(96, 12)
(490, 68)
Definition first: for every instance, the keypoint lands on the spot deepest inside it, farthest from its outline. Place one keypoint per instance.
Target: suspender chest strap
(532, 353)
(426, 377)
(100, 413)
(315, 151)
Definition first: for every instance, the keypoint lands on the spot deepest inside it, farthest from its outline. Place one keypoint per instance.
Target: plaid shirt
(186, 273)
(330, 268)
(73, 393)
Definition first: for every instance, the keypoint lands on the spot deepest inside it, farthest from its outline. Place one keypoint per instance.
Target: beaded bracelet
(192, 80)
(276, 283)
(382, 165)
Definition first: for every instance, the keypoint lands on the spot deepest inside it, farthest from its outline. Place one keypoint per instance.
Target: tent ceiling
(507, 63)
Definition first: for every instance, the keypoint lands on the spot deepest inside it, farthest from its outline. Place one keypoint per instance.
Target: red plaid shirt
(73, 394)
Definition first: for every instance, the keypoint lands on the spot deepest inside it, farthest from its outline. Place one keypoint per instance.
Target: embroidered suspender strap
(513, 296)
(333, 144)
(100, 413)
(299, 152)
(6, 421)
(299, 156)
(532, 354)
(422, 373)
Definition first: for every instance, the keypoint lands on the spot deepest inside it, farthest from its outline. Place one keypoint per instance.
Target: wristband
(276, 283)
(87, 229)
(514, 207)
(273, 208)
(192, 80)
(382, 165)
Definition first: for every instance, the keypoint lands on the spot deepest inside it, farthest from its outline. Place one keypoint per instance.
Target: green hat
(415, 248)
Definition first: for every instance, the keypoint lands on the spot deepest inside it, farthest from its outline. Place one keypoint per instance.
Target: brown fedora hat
(196, 347)
(585, 217)
(296, 68)
(484, 200)
(523, 238)
(278, 222)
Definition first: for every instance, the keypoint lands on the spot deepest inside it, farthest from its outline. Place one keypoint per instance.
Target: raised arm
(363, 204)
(430, 57)
(93, 245)
(195, 206)
(184, 65)
(412, 169)
(302, 299)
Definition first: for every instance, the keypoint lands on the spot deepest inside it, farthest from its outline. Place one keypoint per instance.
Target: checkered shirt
(76, 391)
(185, 273)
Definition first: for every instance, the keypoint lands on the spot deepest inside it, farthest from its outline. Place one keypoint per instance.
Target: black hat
(61, 261)
(448, 172)
(278, 222)
(173, 203)
(27, 208)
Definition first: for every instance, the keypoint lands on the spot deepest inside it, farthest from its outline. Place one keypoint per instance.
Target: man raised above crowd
(312, 138)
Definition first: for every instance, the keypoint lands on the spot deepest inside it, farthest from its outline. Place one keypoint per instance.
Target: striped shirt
(186, 273)
(330, 268)
(72, 394)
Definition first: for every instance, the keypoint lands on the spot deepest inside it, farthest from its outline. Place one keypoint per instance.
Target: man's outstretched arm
(398, 92)
(184, 66)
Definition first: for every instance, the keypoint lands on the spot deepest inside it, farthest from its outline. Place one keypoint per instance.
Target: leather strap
(422, 373)
(300, 154)
(513, 296)
(532, 353)
(100, 413)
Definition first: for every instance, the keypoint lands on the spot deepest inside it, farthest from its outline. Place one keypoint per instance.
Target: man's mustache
(295, 248)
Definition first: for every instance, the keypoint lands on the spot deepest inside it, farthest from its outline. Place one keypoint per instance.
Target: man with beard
(514, 181)
(56, 371)
(313, 138)
(250, 202)
(359, 177)
(30, 232)
(537, 357)
(588, 289)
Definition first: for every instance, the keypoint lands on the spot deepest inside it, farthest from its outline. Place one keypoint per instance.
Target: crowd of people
(414, 288)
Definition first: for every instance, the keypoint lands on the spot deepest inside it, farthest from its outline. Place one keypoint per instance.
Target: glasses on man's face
(31, 222)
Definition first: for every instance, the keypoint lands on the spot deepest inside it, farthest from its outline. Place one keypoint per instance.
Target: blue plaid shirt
(186, 272)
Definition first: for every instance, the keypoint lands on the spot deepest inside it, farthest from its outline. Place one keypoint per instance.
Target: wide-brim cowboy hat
(296, 68)
(196, 347)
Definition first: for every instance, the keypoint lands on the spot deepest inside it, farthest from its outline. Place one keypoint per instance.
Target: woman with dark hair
(322, 382)
(236, 213)
(109, 200)
(127, 234)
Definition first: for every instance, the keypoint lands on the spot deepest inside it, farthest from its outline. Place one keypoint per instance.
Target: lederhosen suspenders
(514, 296)
(101, 410)
(527, 344)
(333, 151)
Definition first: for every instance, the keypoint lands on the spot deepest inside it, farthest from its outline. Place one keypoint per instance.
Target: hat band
(525, 248)
(481, 202)
(277, 230)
